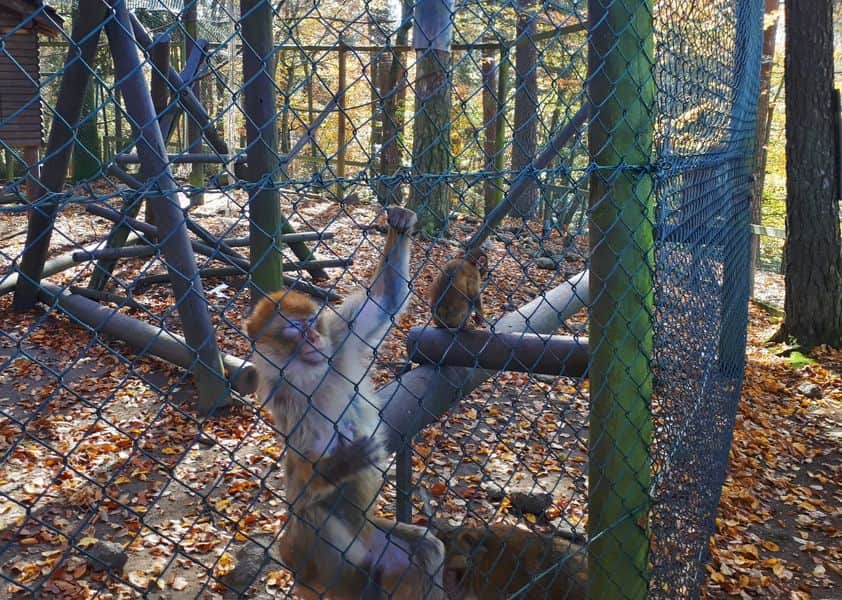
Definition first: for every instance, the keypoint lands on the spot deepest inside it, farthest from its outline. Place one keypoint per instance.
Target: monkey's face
(286, 327)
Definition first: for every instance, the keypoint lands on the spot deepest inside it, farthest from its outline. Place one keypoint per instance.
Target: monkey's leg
(409, 560)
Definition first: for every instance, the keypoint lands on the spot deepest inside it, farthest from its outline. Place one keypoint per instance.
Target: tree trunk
(813, 304)
(491, 106)
(431, 156)
(761, 137)
(524, 142)
(393, 91)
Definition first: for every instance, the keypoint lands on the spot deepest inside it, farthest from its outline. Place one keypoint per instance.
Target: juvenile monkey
(457, 292)
(501, 560)
(313, 364)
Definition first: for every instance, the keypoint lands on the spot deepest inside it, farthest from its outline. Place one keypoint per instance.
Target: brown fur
(500, 560)
(313, 365)
(457, 292)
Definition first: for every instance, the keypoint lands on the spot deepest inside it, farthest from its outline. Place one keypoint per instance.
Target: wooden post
(431, 152)
(159, 55)
(174, 242)
(621, 89)
(311, 113)
(491, 107)
(496, 183)
(186, 96)
(30, 155)
(194, 129)
(394, 92)
(340, 135)
(71, 95)
(523, 180)
(117, 238)
(524, 138)
(265, 221)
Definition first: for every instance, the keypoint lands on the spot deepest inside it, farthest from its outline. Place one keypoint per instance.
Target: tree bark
(813, 304)
(431, 156)
(491, 106)
(393, 92)
(761, 137)
(524, 143)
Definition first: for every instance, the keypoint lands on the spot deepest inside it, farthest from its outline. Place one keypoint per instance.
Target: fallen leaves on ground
(778, 530)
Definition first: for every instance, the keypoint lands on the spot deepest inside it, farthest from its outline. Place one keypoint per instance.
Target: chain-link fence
(533, 394)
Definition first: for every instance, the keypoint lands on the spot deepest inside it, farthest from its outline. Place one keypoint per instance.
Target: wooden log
(174, 243)
(290, 282)
(99, 295)
(523, 352)
(287, 238)
(148, 339)
(523, 180)
(421, 396)
(55, 265)
(127, 178)
(185, 95)
(68, 109)
(209, 238)
(241, 263)
(188, 158)
(112, 253)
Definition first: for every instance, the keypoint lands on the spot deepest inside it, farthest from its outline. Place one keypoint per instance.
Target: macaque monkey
(457, 292)
(499, 561)
(313, 366)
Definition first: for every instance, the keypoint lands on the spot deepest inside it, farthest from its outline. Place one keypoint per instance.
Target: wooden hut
(21, 119)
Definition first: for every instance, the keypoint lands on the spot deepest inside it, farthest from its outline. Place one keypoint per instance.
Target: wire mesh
(167, 165)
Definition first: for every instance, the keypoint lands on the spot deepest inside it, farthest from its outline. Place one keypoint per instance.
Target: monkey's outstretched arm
(370, 312)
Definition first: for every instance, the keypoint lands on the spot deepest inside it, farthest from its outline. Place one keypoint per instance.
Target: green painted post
(265, 220)
(500, 140)
(622, 91)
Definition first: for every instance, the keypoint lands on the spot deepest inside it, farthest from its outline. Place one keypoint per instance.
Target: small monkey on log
(500, 561)
(313, 364)
(457, 292)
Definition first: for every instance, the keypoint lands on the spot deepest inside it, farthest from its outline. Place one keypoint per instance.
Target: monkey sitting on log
(502, 561)
(313, 364)
(457, 292)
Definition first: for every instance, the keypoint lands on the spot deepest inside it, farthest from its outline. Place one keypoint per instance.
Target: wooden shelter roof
(46, 20)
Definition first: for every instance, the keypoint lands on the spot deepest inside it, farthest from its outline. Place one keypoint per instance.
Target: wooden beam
(175, 245)
(524, 352)
(77, 72)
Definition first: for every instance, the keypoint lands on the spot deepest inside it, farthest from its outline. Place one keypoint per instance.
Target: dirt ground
(99, 444)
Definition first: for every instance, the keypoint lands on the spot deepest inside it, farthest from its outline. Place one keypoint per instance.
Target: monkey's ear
(256, 320)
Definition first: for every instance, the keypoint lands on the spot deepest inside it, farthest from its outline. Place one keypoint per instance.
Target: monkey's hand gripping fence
(201, 155)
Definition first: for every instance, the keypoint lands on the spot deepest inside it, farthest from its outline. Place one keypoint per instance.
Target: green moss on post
(621, 89)
(265, 220)
(87, 151)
